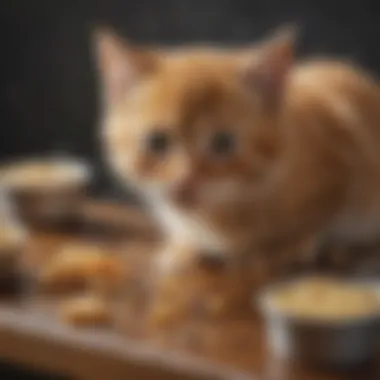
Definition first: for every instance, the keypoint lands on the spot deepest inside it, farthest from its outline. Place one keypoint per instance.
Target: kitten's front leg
(188, 280)
(172, 284)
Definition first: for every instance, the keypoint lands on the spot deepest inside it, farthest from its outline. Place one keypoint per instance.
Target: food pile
(327, 299)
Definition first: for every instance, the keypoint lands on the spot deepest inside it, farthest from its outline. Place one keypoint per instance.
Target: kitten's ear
(266, 72)
(120, 65)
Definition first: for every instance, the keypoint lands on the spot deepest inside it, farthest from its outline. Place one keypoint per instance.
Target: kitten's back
(340, 93)
(333, 110)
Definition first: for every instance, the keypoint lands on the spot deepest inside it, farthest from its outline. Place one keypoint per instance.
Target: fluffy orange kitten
(243, 151)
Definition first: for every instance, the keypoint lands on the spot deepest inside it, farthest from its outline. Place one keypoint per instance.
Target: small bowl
(52, 195)
(323, 342)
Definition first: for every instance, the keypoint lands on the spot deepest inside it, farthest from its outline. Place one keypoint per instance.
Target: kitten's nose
(184, 193)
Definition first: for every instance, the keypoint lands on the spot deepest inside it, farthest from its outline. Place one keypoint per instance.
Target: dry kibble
(86, 310)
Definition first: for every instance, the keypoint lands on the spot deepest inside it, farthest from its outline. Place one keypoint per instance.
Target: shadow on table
(13, 372)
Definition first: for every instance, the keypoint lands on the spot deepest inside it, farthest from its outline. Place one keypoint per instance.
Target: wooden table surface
(32, 334)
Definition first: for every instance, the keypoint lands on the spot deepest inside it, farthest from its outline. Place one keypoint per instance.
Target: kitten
(243, 151)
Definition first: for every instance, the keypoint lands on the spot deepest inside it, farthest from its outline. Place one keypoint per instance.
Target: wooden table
(31, 334)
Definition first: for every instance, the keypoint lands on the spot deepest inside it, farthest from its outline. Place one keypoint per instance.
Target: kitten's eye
(222, 143)
(158, 142)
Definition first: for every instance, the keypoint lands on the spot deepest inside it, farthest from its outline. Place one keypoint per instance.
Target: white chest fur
(184, 227)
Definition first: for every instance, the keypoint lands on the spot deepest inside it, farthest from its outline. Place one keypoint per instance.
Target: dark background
(47, 76)
(48, 97)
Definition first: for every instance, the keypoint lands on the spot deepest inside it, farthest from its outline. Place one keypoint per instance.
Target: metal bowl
(327, 343)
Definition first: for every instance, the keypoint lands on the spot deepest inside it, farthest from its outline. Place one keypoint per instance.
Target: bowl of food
(46, 190)
(323, 320)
